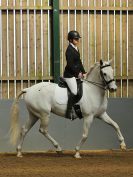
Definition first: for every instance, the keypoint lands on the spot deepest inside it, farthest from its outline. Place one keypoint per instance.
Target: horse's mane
(91, 68)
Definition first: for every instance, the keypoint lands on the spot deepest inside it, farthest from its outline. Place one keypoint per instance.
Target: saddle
(76, 106)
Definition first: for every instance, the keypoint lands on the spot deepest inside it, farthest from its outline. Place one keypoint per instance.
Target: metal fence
(28, 40)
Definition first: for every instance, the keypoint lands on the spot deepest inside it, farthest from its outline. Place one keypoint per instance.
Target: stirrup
(71, 115)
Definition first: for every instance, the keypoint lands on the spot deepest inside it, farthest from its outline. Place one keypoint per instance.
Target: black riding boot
(70, 104)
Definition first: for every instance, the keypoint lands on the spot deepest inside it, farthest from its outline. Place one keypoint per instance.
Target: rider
(74, 69)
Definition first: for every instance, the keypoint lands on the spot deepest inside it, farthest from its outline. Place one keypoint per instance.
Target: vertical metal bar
(56, 41)
(82, 33)
(35, 59)
(62, 40)
(121, 57)
(21, 43)
(8, 72)
(114, 45)
(88, 33)
(49, 43)
(127, 53)
(68, 19)
(62, 52)
(28, 42)
(75, 16)
(14, 29)
(1, 63)
(95, 31)
(42, 44)
(101, 31)
(108, 31)
(108, 28)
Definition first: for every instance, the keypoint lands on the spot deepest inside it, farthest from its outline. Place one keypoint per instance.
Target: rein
(96, 84)
(102, 76)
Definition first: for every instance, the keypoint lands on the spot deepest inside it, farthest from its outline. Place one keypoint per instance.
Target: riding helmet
(73, 35)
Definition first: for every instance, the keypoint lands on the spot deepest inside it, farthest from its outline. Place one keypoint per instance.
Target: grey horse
(40, 101)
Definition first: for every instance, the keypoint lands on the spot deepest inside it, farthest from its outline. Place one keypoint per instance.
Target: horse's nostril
(112, 89)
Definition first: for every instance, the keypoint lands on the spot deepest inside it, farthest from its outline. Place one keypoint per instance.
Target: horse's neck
(95, 75)
(95, 78)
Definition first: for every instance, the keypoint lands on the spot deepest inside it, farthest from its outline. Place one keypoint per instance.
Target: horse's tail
(14, 125)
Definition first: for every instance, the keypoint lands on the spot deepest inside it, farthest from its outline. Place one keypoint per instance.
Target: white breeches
(72, 84)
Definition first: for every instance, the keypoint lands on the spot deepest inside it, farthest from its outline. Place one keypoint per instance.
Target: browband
(104, 66)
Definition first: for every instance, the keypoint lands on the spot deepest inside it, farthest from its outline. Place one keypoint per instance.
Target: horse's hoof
(77, 156)
(59, 152)
(123, 146)
(19, 155)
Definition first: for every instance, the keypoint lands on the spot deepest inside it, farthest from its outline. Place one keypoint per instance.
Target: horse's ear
(101, 62)
(111, 60)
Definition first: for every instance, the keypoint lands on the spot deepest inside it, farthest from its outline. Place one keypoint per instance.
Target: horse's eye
(104, 74)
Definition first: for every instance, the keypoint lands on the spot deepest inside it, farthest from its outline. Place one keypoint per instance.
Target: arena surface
(111, 163)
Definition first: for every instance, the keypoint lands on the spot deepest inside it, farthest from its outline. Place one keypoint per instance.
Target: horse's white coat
(61, 95)
(40, 101)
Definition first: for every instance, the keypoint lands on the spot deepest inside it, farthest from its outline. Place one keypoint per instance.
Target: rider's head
(73, 37)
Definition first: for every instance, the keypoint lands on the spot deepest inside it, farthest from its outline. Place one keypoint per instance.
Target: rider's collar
(75, 47)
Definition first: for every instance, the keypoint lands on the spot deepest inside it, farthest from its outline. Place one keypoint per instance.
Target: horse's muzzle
(112, 89)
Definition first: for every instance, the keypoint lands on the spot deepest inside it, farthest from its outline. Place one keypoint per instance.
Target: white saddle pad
(61, 96)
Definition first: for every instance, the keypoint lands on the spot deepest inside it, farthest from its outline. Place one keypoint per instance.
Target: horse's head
(107, 75)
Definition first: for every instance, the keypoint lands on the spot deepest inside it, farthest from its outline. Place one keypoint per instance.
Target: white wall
(67, 133)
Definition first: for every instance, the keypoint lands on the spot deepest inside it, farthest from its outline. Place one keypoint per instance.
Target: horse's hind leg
(44, 130)
(29, 124)
(109, 121)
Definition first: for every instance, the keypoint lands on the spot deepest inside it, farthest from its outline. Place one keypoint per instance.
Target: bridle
(102, 76)
(106, 83)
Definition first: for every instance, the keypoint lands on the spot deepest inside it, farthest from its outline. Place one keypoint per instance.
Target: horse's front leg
(86, 125)
(109, 121)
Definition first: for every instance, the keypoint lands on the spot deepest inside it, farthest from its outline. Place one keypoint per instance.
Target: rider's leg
(72, 84)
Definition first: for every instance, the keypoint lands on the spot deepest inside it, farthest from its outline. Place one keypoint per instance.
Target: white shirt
(75, 47)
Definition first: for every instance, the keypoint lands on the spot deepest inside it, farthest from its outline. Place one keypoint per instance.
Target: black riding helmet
(73, 35)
